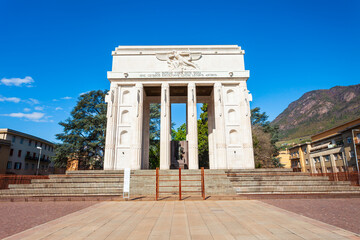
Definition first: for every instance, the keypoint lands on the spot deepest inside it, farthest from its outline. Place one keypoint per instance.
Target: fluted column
(211, 133)
(192, 134)
(111, 99)
(146, 132)
(138, 130)
(220, 143)
(248, 161)
(165, 136)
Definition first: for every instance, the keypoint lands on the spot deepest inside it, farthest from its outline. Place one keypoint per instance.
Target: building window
(28, 154)
(348, 140)
(19, 153)
(13, 139)
(47, 158)
(11, 152)
(21, 140)
(45, 146)
(30, 142)
(305, 151)
(307, 161)
(327, 158)
(40, 144)
(9, 165)
(33, 166)
(17, 166)
(26, 166)
(35, 143)
(34, 155)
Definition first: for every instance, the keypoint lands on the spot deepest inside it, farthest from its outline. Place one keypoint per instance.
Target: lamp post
(38, 165)
(356, 159)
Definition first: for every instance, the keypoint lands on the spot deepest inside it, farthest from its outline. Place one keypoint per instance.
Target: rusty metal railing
(5, 179)
(180, 186)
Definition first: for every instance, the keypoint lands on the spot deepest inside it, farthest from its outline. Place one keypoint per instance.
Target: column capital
(191, 85)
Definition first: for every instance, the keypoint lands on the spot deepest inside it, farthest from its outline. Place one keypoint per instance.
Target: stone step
(79, 180)
(288, 183)
(62, 191)
(92, 176)
(341, 193)
(96, 172)
(277, 178)
(295, 189)
(65, 185)
(261, 170)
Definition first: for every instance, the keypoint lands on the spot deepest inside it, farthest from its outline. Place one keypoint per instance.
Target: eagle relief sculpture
(180, 61)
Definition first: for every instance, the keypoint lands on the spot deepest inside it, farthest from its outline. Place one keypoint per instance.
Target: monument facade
(142, 75)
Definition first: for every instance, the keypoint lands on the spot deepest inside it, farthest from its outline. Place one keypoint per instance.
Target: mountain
(318, 110)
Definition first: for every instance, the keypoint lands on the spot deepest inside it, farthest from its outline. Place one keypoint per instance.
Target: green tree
(265, 137)
(83, 136)
(179, 134)
(203, 145)
(154, 135)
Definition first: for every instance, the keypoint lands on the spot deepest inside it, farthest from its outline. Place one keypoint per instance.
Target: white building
(214, 75)
(24, 153)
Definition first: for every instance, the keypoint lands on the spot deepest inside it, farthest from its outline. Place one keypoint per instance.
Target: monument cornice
(161, 75)
(153, 50)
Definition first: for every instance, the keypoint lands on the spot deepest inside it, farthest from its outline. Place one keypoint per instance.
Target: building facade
(300, 157)
(23, 155)
(331, 151)
(214, 75)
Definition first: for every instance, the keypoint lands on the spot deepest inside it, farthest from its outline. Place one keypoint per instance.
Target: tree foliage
(83, 136)
(154, 135)
(203, 145)
(264, 138)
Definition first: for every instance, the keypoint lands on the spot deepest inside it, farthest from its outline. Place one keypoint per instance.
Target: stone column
(245, 114)
(212, 164)
(322, 164)
(138, 128)
(165, 134)
(333, 163)
(220, 143)
(111, 99)
(192, 134)
(146, 137)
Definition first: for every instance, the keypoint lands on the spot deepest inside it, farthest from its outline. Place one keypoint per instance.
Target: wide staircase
(82, 183)
(285, 182)
(233, 184)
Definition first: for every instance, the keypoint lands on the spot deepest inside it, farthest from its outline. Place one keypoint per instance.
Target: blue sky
(55, 50)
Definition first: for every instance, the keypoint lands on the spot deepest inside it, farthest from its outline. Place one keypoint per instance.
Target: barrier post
(202, 184)
(180, 184)
(157, 184)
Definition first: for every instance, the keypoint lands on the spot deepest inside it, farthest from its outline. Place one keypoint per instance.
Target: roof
(336, 130)
(299, 145)
(21, 134)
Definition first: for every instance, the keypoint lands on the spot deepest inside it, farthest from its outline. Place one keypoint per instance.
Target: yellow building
(299, 157)
(5, 146)
(284, 156)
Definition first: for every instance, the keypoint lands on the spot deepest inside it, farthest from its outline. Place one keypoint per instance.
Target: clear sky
(52, 51)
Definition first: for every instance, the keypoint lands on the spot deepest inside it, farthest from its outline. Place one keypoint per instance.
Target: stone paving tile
(18, 216)
(185, 220)
(343, 212)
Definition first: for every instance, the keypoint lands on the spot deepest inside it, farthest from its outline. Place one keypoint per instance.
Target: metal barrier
(180, 180)
(352, 177)
(5, 179)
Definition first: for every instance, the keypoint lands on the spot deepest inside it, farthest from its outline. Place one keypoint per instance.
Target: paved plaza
(244, 219)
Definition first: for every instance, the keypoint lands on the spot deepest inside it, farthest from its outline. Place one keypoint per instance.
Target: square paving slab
(246, 219)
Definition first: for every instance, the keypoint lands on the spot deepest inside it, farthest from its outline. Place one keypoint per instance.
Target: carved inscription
(187, 74)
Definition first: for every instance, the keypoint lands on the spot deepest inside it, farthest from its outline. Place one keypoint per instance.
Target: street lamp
(37, 169)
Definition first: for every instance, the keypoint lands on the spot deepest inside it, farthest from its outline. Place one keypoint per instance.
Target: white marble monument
(214, 75)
